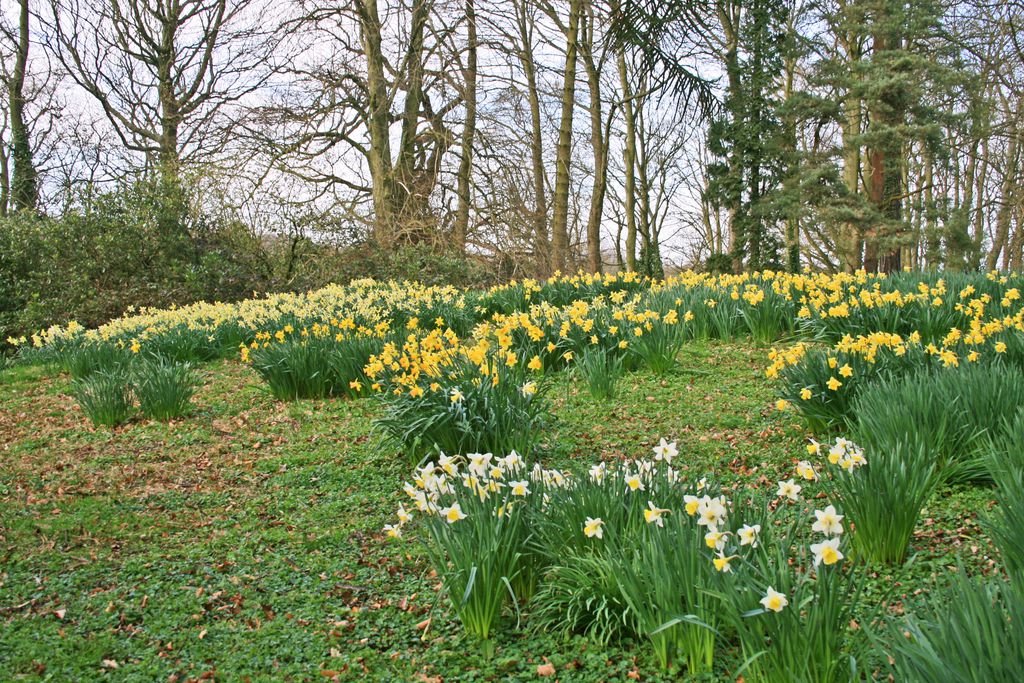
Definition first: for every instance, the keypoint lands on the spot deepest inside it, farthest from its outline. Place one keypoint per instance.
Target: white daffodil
(774, 600)
(715, 539)
(448, 465)
(519, 488)
(665, 450)
(827, 552)
(634, 483)
(692, 504)
(592, 528)
(711, 512)
(789, 489)
(453, 513)
(828, 522)
(748, 534)
(403, 514)
(722, 563)
(805, 470)
(654, 514)
(512, 462)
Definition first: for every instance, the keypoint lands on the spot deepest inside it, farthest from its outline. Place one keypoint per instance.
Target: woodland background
(159, 151)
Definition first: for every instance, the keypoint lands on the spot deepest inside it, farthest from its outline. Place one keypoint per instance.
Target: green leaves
(315, 367)
(164, 388)
(105, 397)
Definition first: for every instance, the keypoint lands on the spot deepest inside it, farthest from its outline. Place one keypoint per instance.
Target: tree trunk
(598, 146)
(629, 159)
(729, 16)
(24, 184)
(886, 187)
(560, 201)
(1007, 196)
(407, 202)
(468, 131)
(541, 245)
(379, 151)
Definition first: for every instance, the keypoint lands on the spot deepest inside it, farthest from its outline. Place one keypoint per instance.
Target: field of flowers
(900, 391)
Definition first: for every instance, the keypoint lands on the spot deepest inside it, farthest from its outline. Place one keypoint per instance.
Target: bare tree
(165, 73)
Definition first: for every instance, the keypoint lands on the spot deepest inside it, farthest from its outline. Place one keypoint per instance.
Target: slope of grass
(243, 543)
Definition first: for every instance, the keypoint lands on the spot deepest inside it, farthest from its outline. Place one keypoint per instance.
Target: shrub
(658, 345)
(478, 538)
(792, 613)
(612, 563)
(164, 388)
(651, 569)
(582, 594)
(105, 397)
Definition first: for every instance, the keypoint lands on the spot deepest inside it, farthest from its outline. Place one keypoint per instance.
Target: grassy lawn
(244, 543)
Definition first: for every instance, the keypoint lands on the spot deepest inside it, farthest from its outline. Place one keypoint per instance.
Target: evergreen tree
(749, 139)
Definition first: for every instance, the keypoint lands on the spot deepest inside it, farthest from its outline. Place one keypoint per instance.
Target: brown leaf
(545, 669)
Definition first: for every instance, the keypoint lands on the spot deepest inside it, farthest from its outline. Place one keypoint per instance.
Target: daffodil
(403, 514)
(593, 527)
(665, 451)
(748, 534)
(828, 522)
(789, 489)
(827, 551)
(452, 513)
(654, 515)
(519, 488)
(806, 471)
(634, 482)
(722, 563)
(711, 512)
(715, 539)
(773, 600)
(692, 504)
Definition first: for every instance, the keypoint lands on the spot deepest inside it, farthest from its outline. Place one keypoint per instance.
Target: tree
(749, 139)
(24, 180)
(469, 97)
(165, 73)
(560, 199)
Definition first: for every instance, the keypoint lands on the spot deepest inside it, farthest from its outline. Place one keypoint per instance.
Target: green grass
(246, 539)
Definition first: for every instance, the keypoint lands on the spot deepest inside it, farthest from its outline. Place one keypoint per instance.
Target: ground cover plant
(721, 509)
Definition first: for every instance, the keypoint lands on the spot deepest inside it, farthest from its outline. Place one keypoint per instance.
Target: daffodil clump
(643, 550)
(823, 383)
(441, 395)
(882, 495)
